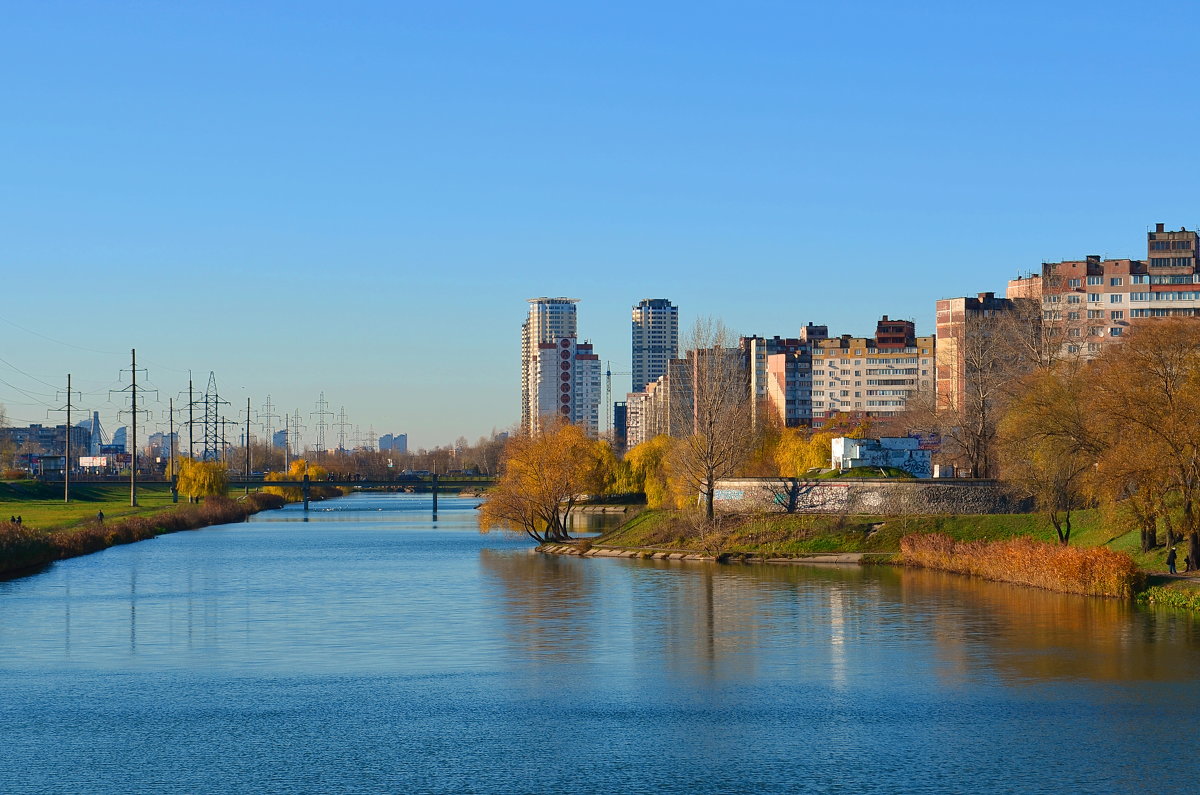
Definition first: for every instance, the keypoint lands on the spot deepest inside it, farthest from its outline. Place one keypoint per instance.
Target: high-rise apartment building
(655, 339)
(560, 376)
(549, 320)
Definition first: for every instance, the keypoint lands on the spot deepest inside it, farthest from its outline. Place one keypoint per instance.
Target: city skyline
(326, 203)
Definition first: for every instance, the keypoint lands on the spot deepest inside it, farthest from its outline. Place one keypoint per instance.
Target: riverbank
(795, 538)
(49, 532)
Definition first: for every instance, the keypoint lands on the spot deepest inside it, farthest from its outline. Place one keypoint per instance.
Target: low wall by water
(855, 496)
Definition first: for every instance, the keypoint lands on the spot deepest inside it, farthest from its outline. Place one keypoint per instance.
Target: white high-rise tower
(549, 320)
(655, 339)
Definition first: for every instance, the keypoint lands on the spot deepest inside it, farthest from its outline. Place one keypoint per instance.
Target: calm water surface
(366, 649)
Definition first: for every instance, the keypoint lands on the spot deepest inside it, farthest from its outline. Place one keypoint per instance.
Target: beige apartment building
(871, 376)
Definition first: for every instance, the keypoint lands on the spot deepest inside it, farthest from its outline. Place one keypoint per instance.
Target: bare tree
(722, 433)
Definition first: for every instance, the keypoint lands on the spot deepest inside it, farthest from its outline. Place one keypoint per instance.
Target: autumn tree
(543, 476)
(1145, 393)
(648, 464)
(722, 433)
(201, 479)
(1048, 446)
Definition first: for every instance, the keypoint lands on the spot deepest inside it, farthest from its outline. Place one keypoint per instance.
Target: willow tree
(718, 392)
(543, 476)
(201, 479)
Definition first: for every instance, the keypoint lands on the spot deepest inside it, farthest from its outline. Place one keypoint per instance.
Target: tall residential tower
(560, 376)
(655, 340)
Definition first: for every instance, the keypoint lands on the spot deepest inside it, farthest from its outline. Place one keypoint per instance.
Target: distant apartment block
(780, 373)
(1089, 303)
(964, 325)
(655, 339)
(393, 443)
(48, 440)
(871, 376)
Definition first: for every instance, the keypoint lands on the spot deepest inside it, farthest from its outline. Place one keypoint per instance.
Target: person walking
(1171, 561)
(100, 516)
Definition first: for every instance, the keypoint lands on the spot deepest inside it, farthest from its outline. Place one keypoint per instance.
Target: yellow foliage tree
(542, 478)
(296, 471)
(201, 478)
(798, 451)
(649, 461)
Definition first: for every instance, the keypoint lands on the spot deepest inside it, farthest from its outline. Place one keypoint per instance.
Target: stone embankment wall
(876, 497)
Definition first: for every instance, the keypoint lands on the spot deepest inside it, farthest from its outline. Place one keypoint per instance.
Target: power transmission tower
(266, 419)
(341, 426)
(371, 439)
(133, 390)
(214, 425)
(67, 449)
(321, 413)
(297, 426)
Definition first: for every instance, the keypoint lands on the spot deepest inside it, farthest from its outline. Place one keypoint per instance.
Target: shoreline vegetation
(1013, 548)
(52, 530)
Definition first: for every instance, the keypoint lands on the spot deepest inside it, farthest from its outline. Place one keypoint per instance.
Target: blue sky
(359, 197)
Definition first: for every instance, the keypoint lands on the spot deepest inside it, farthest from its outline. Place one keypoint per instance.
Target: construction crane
(608, 402)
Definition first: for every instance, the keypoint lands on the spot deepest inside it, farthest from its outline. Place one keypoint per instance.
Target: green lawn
(41, 505)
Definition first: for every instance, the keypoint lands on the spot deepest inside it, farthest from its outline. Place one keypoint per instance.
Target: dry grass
(1094, 571)
(22, 547)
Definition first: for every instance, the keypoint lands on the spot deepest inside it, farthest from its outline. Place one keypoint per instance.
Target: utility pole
(247, 445)
(67, 450)
(191, 419)
(171, 455)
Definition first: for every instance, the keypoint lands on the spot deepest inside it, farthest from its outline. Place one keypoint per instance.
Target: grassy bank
(778, 535)
(40, 505)
(783, 535)
(52, 531)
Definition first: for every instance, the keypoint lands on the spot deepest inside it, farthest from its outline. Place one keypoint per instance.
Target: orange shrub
(1095, 571)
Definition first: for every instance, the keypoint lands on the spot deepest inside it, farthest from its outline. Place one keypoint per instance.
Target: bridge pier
(435, 492)
(304, 490)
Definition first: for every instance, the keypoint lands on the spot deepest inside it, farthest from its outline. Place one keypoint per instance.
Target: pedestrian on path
(1171, 561)
(100, 516)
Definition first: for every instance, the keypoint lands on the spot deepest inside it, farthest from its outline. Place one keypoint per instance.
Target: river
(364, 648)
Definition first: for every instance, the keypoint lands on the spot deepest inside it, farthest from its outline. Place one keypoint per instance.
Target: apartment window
(1095, 331)
(1160, 245)
(1074, 282)
(1140, 278)
(1179, 244)
(1073, 298)
(1053, 299)
(1093, 298)
(1115, 281)
(1095, 314)
(1093, 347)
(845, 393)
(1139, 296)
(1115, 298)
(1095, 280)
(1115, 332)
(1074, 315)
(1073, 332)
(1072, 349)
(1140, 313)
(1117, 314)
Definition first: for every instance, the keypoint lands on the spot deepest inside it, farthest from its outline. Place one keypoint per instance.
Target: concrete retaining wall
(890, 497)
